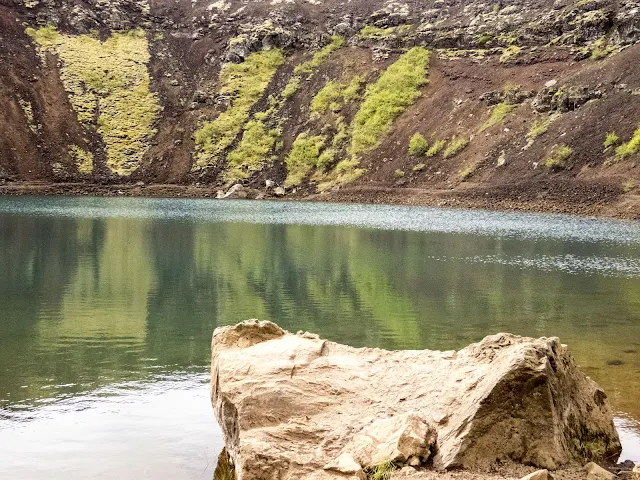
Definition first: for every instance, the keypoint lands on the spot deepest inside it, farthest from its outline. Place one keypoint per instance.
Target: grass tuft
(381, 471)
(498, 113)
(436, 147)
(418, 145)
(559, 157)
(455, 146)
(631, 147)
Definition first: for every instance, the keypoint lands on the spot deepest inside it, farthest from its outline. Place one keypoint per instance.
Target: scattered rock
(596, 472)
(538, 475)
(279, 191)
(269, 183)
(296, 406)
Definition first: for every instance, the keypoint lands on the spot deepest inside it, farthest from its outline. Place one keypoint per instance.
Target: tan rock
(291, 405)
(596, 472)
(635, 473)
(538, 475)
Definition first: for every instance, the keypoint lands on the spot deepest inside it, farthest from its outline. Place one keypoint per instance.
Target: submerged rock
(296, 406)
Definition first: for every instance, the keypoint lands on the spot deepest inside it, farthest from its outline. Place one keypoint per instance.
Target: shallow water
(108, 306)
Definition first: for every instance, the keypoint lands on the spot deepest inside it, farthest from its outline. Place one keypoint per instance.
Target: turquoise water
(109, 306)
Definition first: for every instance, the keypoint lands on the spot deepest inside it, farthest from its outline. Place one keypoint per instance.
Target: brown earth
(189, 42)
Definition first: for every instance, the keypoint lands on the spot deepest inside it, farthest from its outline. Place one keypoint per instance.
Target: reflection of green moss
(108, 83)
(84, 159)
(304, 155)
(245, 84)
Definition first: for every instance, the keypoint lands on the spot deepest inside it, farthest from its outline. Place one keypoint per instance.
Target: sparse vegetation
(327, 95)
(558, 158)
(467, 172)
(419, 167)
(334, 94)
(436, 147)
(304, 155)
(245, 83)
(455, 146)
(320, 56)
(483, 39)
(399, 173)
(382, 471)
(292, 87)
(108, 80)
(631, 147)
(84, 159)
(252, 151)
(610, 141)
(396, 89)
(628, 185)
(538, 128)
(510, 54)
(418, 145)
(375, 33)
(498, 113)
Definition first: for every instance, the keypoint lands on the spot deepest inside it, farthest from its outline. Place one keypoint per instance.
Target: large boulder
(296, 406)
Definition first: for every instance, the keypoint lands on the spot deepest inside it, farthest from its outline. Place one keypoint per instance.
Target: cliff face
(520, 99)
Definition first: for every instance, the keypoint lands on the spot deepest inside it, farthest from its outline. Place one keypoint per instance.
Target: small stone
(269, 183)
(279, 191)
(551, 83)
(345, 463)
(538, 475)
(596, 472)
(174, 83)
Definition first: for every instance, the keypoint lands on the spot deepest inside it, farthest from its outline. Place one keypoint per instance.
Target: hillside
(526, 104)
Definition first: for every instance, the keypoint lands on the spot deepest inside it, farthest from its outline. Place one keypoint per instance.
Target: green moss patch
(252, 151)
(108, 85)
(455, 146)
(245, 83)
(335, 94)
(304, 156)
(631, 147)
(558, 158)
(498, 113)
(320, 56)
(396, 89)
(83, 159)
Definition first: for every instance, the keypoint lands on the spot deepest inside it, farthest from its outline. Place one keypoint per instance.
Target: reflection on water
(99, 293)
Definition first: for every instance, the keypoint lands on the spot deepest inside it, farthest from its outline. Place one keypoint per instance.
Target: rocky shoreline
(582, 200)
(295, 406)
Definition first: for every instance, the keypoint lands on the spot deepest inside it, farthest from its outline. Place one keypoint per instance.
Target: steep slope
(520, 104)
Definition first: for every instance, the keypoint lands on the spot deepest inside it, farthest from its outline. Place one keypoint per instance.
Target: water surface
(108, 306)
